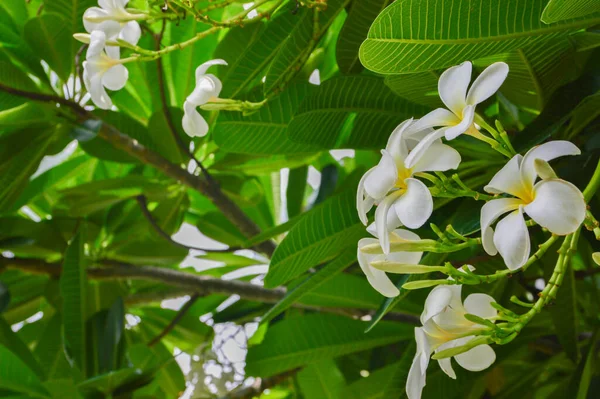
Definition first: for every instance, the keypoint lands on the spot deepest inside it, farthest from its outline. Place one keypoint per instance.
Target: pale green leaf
(48, 35)
(558, 10)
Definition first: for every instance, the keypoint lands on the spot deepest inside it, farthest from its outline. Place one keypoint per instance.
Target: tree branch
(175, 320)
(189, 284)
(134, 148)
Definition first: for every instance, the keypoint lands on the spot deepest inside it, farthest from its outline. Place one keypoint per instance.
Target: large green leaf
(48, 35)
(162, 138)
(344, 291)
(301, 40)
(72, 10)
(73, 288)
(263, 132)
(303, 340)
(419, 35)
(354, 31)
(20, 154)
(559, 10)
(50, 352)
(311, 283)
(11, 340)
(351, 112)
(420, 87)
(17, 377)
(321, 380)
(319, 236)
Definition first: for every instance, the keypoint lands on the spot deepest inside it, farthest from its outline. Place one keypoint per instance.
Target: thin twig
(141, 200)
(184, 309)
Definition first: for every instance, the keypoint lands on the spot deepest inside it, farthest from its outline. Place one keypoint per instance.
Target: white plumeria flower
(552, 203)
(116, 23)
(445, 327)
(100, 71)
(208, 87)
(377, 278)
(453, 87)
(403, 200)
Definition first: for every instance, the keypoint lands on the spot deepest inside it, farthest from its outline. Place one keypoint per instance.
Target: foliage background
(89, 201)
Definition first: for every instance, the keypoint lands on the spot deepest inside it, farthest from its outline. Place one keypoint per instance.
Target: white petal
(418, 370)
(412, 258)
(201, 70)
(206, 88)
(512, 239)
(363, 205)
(446, 364)
(381, 220)
(479, 305)
(547, 152)
(487, 83)
(97, 43)
(92, 12)
(477, 359)
(378, 279)
(193, 123)
(97, 92)
(437, 117)
(113, 52)
(508, 179)
(453, 85)
(558, 206)
(437, 301)
(116, 77)
(438, 158)
(415, 155)
(416, 205)
(131, 32)
(383, 178)
(468, 115)
(490, 212)
(396, 144)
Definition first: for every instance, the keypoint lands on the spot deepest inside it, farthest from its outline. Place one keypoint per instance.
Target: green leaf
(20, 154)
(301, 40)
(420, 87)
(48, 35)
(159, 133)
(17, 377)
(344, 291)
(50, 352)
(303, 340)
(321, 380)
(354, 31)
(321, 234)
(113, 333)
(564, 315)
(24, 115)
(585, 112)
(383, 383)
(11, 340)
(109, 382)
(229, 259)
(73, 288)
(4, 297)
(272, 232)
(351, 112)
(588, 369)
(420, 35)
(216, 226)
(72, 10)
(263, 132)
(559, 10)
(311, 283)
(295, 190)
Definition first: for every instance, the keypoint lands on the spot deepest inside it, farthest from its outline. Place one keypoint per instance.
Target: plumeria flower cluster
(402, 200)
(103, 68)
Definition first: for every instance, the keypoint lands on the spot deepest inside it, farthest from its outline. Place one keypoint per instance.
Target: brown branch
(260, 385)
(134, 148)
(141, 200)
(184, 309)
(188, 283)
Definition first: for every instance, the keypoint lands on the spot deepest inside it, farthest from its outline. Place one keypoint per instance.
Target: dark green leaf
(11, 340)
(4, 297)
(295, 190)
(48, 35)
(17, 377)
(113, 333)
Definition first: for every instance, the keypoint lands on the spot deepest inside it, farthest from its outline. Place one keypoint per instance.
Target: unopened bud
(82, 37)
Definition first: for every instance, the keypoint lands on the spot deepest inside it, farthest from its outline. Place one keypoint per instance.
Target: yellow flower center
(403, 174)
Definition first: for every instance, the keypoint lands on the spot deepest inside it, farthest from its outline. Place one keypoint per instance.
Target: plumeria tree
(299, 199)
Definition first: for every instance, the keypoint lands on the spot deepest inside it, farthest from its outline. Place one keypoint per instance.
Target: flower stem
(593, 185)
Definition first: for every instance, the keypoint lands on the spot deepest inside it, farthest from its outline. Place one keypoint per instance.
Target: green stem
(593, 185)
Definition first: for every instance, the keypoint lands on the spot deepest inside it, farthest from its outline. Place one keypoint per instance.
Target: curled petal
(508, 179)
(206, 88)
(381, 220)
(97, 92)
(109, 27)
(97, 44)
(490, 212)
(383, 178)
(446, 364)
(438, 158)
(512, 239)
(378, 279)
(477, 359)
(437, 301)
(437, 117)
(468, 115)
(201, 70)
(558, 206)
(479, 305)
(546, 152)
(487, 83)
(193, 123)
(453, 84)
(363, 205)
(418, 370)
(416, 205)
(415, 155)
(396, 144)
(131, 32)
(116, 77)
